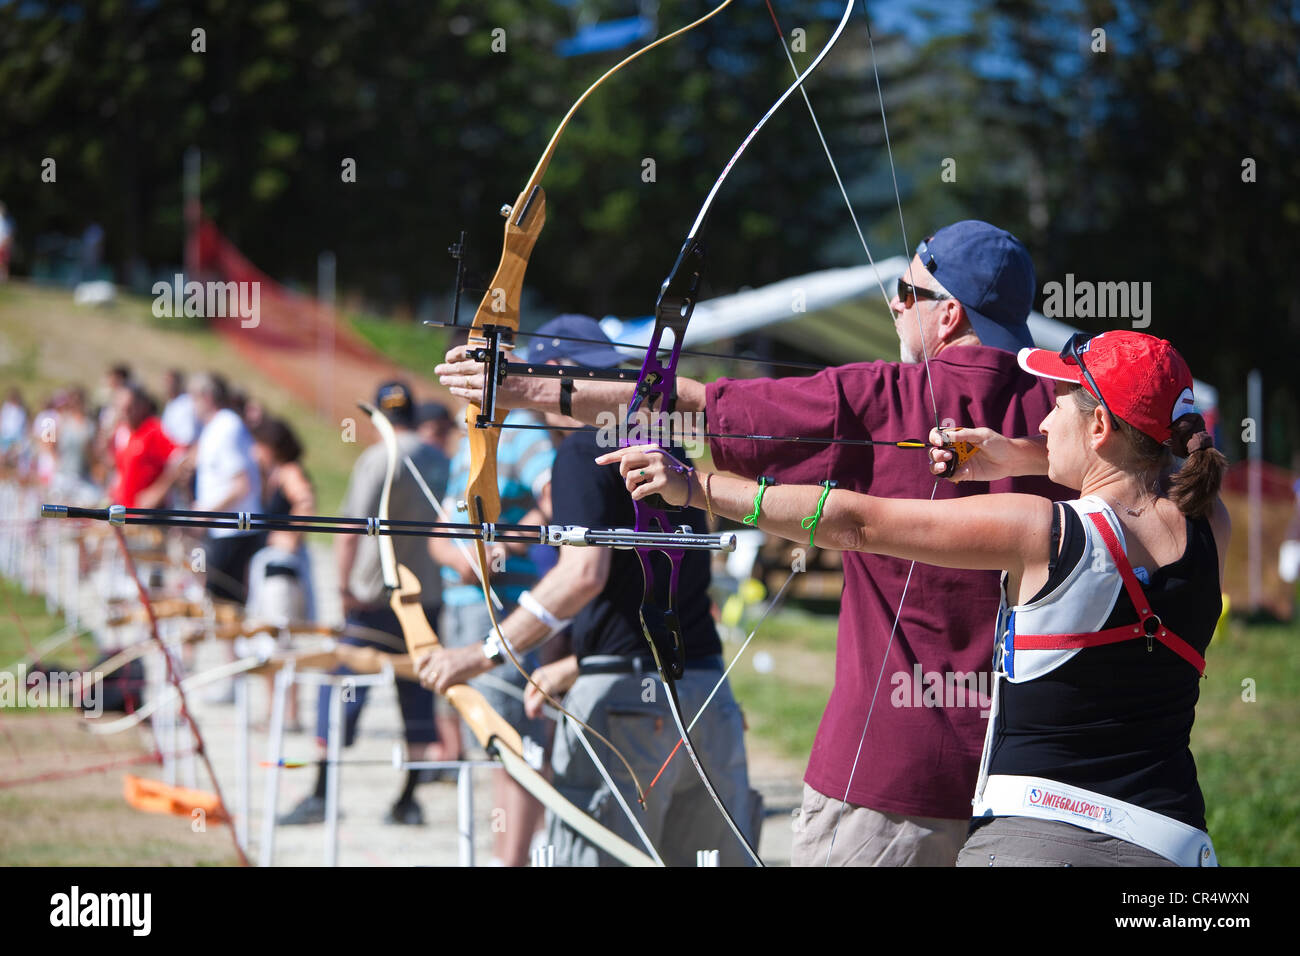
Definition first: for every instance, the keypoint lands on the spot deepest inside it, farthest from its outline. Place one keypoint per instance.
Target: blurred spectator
(13, 422)
(72, 445)
(111, 434)
(226, 479)
(178, 419)
(279, 576)
(435, 427)
(6, 242)
(146, 461)
(117, 377)
(45, 424)
(366, 601)
(254, 413)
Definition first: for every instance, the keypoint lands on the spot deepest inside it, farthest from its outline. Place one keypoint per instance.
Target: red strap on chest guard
(1149, 624)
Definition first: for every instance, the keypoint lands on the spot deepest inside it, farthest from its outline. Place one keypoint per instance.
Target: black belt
(617, 664)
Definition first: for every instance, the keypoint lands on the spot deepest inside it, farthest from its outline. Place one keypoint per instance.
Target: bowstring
(484, 577)
(925, 358)
(389, 557)
(848, 204)
(857, 227)
(577, 726)
(694, 232)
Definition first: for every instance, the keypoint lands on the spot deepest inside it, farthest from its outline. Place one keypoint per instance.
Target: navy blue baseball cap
(555, 340)
(989, 272)
(394, 400)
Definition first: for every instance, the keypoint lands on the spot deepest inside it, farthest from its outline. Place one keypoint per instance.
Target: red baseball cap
(1142, 379)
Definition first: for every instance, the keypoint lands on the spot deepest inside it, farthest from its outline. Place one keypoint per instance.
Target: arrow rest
(496, 340)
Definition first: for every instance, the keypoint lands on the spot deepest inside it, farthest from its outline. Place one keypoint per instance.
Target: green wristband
(809, 523)
(763, 483)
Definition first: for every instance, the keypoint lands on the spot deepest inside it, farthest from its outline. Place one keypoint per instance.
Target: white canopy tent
(848, 296)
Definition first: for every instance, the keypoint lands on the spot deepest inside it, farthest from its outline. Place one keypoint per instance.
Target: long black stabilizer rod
(488, 532)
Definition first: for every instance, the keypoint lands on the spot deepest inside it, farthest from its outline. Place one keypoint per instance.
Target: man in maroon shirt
(145, 465)
(894, 762)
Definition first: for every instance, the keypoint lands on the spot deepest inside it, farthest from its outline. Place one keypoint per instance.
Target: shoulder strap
(1149, 623)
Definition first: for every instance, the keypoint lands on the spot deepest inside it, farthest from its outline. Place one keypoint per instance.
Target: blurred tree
(1167, 157)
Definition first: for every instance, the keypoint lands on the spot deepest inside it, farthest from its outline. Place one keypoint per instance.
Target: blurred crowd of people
(206, 446)
(203, 446)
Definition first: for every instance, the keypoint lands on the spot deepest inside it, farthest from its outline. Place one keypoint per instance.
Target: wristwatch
(492, 649)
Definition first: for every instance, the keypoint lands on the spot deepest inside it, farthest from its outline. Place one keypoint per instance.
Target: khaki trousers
(830, 833)
(1025, 841)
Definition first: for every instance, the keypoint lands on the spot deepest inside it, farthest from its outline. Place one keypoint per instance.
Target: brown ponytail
(1196, 485)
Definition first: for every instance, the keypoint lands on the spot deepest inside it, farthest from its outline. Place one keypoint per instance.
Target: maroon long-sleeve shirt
(919, 757)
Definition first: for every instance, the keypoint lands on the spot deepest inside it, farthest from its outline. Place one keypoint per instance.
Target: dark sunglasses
(908, 292)
(1072, 354)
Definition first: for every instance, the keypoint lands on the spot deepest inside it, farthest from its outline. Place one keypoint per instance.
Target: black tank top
(1117, 719)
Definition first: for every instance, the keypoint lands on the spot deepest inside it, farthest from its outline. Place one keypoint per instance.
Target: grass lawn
(417, 346)
(1246, 739)
(53, 815)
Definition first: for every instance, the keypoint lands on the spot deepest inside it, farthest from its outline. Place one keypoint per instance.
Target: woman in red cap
(1109, 601)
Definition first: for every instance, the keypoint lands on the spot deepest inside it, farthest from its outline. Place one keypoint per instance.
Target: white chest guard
(1079, 604)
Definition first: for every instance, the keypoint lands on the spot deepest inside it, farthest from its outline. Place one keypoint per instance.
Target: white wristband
(535, 608)
(492, 649)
